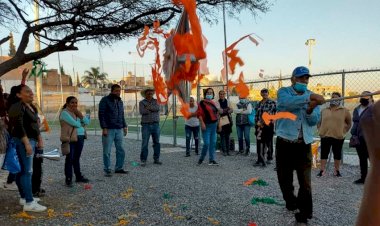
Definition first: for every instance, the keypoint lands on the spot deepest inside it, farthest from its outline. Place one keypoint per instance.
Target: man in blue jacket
(294, 138)
(112, 121)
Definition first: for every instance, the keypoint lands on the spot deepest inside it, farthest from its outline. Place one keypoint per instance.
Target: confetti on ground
(213, 221)
(24, 215)
(250, 181)
(68, 214)
(265, 200)
(132, 215)
(183, 207)
(142, 222)
(87, 187)
(167, 209)
(179, 217)
(260, 182)
(135, 163)
(122, 222)
(251, 223)
(255, 181)
(167, 196)
(51, 213)
(128, 194)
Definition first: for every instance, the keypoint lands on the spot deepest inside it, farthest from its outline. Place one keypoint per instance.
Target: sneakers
(256, 164)
(34, 207)
(10, 187)
(321, 173)
(143, 163)
(121, 171)
(200, 162)
(82, 179)
(187, 155)
(213, 163)
(269, 162)
(337, 174)
(359, 181)
(23, 202)
(157, 162)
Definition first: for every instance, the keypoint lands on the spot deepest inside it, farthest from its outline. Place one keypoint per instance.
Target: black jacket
(111, 113)
(23, 121)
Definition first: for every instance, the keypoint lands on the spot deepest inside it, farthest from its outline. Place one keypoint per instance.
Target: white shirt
(192, 121)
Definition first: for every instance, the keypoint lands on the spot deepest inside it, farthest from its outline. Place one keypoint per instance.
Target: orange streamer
(267, 118)
(250, 181)
(240, 87)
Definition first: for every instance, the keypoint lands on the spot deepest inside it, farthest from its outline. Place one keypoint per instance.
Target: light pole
(310, 42)
(137, 119)
(93, 85)
(37, 47)
(225, 49)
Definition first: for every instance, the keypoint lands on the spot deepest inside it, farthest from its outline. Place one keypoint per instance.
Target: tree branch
(4, 40)
(19, 12)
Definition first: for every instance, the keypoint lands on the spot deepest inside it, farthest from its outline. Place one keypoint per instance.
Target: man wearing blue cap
(294, 138)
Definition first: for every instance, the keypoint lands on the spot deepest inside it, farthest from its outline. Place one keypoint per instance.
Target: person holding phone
(72, 123)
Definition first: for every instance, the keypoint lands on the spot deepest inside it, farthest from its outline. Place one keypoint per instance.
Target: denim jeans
(73, 159)
(209, 141)
(24, 178)
(148, 130)
(117, 136)
(195, 131)
(243, 131)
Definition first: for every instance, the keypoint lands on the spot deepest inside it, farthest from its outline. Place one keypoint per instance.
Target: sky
(347, 37)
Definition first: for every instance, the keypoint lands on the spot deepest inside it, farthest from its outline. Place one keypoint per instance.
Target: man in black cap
(264, 133)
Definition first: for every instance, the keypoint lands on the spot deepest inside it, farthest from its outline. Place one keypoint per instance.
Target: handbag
(65, 145)
(224, 120)
(11, 162)
(354, 142)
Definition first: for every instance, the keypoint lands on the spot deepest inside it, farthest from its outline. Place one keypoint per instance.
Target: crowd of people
(20, 126)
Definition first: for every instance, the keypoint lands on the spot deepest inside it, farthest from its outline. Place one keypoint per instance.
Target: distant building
(131, 80)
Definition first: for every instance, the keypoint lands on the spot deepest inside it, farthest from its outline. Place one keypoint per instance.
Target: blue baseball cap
(301, 71)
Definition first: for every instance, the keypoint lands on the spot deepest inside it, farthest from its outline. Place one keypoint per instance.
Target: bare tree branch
(4, 40)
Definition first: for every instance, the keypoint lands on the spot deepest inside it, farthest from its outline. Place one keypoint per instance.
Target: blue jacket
(289, 101)
(111, 113)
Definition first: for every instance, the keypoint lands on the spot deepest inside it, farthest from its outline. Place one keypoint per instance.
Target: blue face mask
(243, 101)
(300, 87)
(209, 96)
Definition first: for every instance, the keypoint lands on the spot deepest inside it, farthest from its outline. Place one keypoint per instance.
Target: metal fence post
(94, 109)
(343, 85)
(174, 120)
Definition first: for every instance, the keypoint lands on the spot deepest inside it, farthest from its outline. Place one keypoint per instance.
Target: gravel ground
(177, 193)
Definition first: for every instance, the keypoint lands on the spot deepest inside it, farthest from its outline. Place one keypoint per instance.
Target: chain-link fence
(348, 83)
